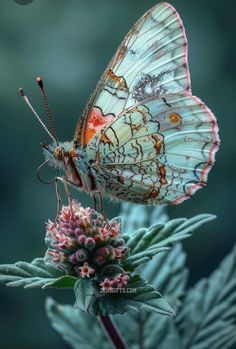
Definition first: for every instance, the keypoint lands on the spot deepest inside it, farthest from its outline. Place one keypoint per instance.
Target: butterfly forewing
(150, 62)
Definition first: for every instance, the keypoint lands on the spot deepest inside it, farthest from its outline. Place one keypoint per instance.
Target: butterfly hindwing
(160, 151)
(150, 62)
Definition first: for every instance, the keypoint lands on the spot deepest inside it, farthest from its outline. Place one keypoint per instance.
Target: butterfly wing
(146, 137)
(150, 62)
(157, 152)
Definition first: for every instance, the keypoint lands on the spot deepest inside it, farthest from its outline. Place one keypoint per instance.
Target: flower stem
(112, 332)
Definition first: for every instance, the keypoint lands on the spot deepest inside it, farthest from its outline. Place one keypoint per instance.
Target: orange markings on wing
(175, 118)
(135, 127)
(158, 143)
(154, 193)
(105, 139)
(163, 175)
(120, 54)
(121, 179)
(144, 116)
(118, 80)
(95, 122)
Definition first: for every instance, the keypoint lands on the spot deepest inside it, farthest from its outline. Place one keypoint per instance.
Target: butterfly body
(143, 136)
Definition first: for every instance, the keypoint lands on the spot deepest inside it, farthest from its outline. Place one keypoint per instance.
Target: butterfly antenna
(40, 83)
(26, 100)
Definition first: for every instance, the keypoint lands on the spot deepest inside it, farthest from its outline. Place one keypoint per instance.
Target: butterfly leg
(68, 194)
(58, 198)
(95, 201)
(101, 204)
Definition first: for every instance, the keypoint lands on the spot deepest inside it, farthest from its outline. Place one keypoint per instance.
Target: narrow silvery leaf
(207, 317)
(144, 244)
(75, 326)
(36, 274)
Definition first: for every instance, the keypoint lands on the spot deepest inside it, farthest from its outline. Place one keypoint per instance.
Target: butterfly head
(57, 154)
(61, 156)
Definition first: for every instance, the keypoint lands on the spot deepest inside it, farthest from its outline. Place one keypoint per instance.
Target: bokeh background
(69, 43)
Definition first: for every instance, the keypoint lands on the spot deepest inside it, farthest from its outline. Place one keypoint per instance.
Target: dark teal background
(69, 44)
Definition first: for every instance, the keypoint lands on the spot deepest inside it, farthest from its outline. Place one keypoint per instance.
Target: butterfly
(143, 137)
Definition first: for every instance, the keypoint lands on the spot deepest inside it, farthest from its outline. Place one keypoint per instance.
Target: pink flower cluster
(118, 282)
(81, 242)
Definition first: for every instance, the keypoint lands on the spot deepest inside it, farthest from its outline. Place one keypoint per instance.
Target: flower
(119, 281)
(106, 285)
(81, 242)
(85, 270)
(56, 256)
(122, 279)
(120, 252)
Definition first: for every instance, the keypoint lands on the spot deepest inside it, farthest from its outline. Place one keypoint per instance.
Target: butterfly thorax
(65, 156)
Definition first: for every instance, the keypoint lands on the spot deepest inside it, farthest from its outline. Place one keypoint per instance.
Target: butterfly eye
(58, 153)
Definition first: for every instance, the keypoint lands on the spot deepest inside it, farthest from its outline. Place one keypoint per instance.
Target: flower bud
(118, 242)
(81, 239)
(89, 243)
(97, 238)
(103, 255)
(81, 255)
(77, 231)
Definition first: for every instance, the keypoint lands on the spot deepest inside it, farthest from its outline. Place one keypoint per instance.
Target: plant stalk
(112, 332)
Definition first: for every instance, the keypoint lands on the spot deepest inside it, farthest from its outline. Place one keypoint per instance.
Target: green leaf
(151, 332)
(80, 330)
(138, 295)
(207, 318)
(84, 294)
(66, 281)
(37, 274)
(146, 243)
(168, 273)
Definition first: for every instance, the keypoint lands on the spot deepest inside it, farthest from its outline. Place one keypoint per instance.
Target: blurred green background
(69, 44)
